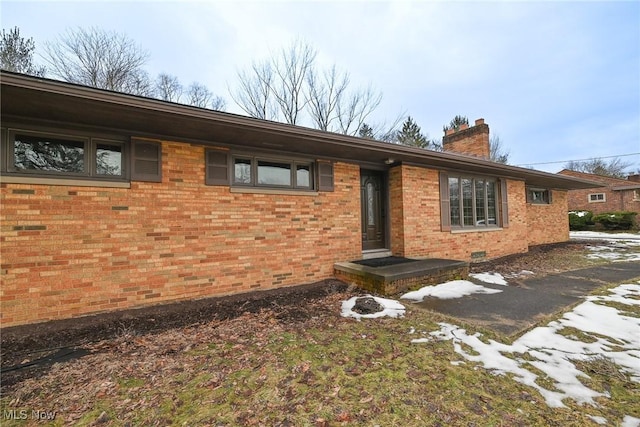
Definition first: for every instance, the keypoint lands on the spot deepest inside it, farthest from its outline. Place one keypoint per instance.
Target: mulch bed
(37, 346)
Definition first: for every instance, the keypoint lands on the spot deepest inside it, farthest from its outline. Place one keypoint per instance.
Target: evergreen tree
(411, 135)
(366, 131)
(16, 53)
(455, 123)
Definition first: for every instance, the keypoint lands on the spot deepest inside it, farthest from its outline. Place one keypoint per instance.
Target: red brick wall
(619, 200)
(69, 251)
(420, 202)
(396, 205)
(472, 141)
(614, 201)
(548, 223)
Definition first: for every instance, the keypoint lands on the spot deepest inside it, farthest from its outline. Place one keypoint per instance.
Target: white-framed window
(636, 194)
(597, 198)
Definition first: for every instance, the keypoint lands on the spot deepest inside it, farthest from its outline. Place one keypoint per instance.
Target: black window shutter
(217, 167)
(445, 203)
(146, 161)
(505, 206)
(325, 176)
(550, 192)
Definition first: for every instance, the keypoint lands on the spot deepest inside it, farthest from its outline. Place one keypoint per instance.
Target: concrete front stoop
(400, 274)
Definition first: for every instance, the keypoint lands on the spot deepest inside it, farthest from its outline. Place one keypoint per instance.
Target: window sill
(475, 230)
(254, 190)
(62, 182)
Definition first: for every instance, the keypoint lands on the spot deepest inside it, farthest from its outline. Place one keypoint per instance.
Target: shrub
(580, 220)
(616, 220)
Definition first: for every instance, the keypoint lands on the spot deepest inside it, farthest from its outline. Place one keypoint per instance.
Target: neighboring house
(112, 201)
(614, 194)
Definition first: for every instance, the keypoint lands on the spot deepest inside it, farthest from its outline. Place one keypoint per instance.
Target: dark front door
(373, 204)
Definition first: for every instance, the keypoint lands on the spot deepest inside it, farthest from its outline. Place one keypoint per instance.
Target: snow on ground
(495, 278)
(598, 235)
(611, 333)
(617, 248)
(612, 254)
(391, 308)
(521, 273)
(448, 290)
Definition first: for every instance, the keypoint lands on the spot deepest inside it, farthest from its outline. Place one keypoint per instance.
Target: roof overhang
(626, 187)
(28, 98)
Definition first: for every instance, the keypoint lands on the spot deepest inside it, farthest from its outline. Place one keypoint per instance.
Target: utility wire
(577, 160)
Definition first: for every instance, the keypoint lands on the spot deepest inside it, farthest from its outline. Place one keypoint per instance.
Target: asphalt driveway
(524, 303)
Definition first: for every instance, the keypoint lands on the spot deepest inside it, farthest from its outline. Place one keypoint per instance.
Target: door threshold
(376, 253)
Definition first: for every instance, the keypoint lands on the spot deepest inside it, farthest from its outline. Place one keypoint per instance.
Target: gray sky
(555, 80)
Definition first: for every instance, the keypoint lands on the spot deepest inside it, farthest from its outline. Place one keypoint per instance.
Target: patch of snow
(420, 340)
(604, 236)
(448, 290)
(391, 308)
(579, 213)
(629, 421)
(521, 273)
(614, 335)
(495, 278)
(614, 253)
(598, 420)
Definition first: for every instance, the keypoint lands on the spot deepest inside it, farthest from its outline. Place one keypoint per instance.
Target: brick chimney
(634, 178)
(472, 141)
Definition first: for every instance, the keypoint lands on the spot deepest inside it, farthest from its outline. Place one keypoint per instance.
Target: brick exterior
(615, 200)
(69, 251)
(472, 141)
(415, 225)
(543, 221)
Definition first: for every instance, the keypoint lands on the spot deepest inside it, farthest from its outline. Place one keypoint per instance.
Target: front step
(394, 275)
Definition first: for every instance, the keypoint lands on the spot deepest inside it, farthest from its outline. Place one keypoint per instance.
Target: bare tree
(382, 131)
(98, 58)
(288, 85)
(497, 152)
(254, 94)
(324, 94)
(139, 83)
(274, 89)
(615, 168)
(200, 96)
(290, 72)
(354, 108)
(16, 53)
(168, 88)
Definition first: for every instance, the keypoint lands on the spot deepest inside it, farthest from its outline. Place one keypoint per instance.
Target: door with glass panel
(373, 207)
